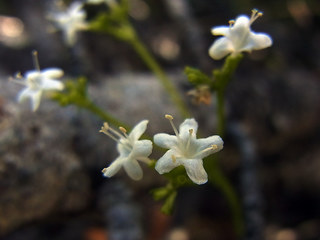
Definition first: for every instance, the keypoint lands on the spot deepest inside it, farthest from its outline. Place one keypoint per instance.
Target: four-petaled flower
(238, 37)
(131, 150)
(185, 149)
(37, 81)
(70, 21)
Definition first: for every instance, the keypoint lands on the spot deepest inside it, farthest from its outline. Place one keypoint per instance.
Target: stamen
(212, 147)
(255, 15)
(189, 138)
(105, 129)
(17, 80)
(231, 22)
(174, 159)
(170, 118)
(104, 170)
(36, 60)
(124, 131)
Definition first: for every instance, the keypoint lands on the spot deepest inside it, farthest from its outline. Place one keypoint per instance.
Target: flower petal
(113, 168)
(138, 130)
(142, 148)
(241, 24)
(184, 128)
(220, 48)
(51, 84)
(257, 41)
(165, 140)
(133, 169)
(52, 73)
(195, 170)
(220, 31)
(165, 163)
(205, 143)
(34, 95)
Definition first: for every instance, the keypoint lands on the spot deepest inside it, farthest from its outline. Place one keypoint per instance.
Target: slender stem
(149, 60)
(221, 112)
(91, 107)
(220, 181)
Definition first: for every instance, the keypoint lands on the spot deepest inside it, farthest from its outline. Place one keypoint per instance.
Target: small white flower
(37, 82)
(131, 150)
(185, 149)
(238, 37)
(70, 21)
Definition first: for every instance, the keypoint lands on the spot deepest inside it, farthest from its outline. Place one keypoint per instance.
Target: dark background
(274, 98)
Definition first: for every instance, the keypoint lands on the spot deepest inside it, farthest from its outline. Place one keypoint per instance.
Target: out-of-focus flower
(131, 150)
(238, 37)
(70, 21)
(185, 149)
(37, 81)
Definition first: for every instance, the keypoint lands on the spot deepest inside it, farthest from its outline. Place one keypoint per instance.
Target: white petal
(142, 148)
(220, 30)
(165, 140)
(195, 170)
(133, 169)
(52, 73)
(220, 48)
(165, 163)
(50, 84)
(188, 124)
(205, 143)
(257, 41)
(242, 22)
(32, 74)
(113, 168)
(138, 130)
(34, 95)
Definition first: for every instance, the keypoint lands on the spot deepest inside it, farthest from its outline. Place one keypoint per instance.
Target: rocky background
(50, 161)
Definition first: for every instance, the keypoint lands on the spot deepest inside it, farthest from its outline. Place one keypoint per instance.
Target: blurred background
(51, 185)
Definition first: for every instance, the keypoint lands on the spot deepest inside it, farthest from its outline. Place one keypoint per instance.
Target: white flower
(185, 149)
(70, 21)
(37, 81)
(131, 150)
(238, 37)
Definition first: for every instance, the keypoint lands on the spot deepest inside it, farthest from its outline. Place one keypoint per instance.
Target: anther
(214, 146)
(124, 131)
(231, 22)
(169, 117)
(190, 131)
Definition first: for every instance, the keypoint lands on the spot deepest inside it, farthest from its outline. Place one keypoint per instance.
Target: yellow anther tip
(104, 170)
(122, 129)
(167, 116)
(34, 52)
(106, 125)
(174, 159)
(191, 131)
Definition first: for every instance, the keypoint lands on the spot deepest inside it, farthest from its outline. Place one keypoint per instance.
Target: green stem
(149, 60)
(220, 112)
(220, 181)
(93, 108)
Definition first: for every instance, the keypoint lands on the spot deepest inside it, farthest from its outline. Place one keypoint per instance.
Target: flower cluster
(184, 149)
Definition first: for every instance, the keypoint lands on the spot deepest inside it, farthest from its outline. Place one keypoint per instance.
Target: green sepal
(75, 92)
(196, 77)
